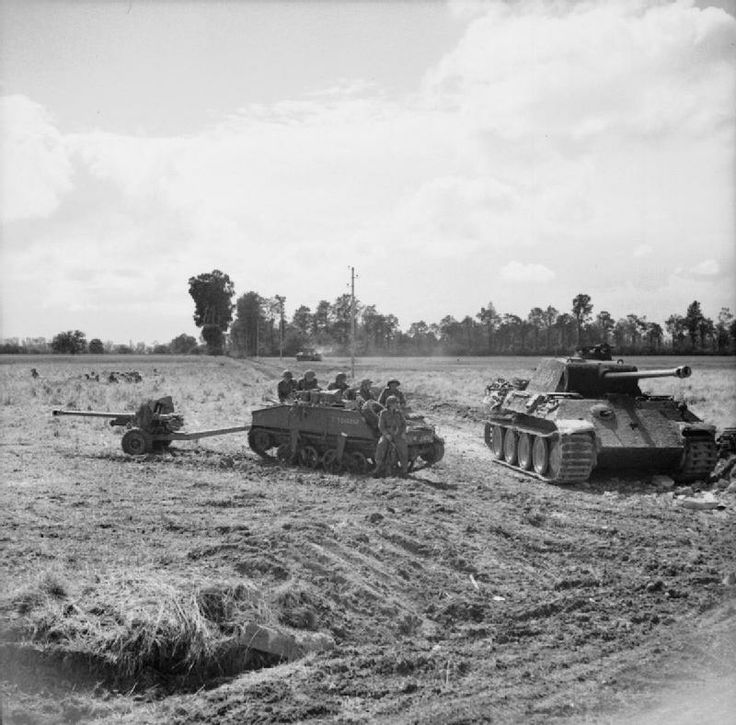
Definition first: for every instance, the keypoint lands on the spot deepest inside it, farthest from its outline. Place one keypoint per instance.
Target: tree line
(255, 325)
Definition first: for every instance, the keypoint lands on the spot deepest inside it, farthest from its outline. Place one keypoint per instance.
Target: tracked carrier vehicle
(575, 415)
(319, 430)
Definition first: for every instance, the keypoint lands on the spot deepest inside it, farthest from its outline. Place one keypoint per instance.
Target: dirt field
(466, 593)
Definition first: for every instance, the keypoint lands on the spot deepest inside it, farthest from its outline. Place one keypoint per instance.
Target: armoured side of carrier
(576, 414)
(319, 429)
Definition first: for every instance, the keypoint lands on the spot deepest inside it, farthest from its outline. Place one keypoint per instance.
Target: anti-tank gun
(577, 414)
(152, 427)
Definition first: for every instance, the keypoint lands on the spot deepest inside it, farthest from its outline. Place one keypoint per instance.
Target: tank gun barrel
(679, 372)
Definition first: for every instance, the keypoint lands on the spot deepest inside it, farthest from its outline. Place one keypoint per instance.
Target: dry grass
(134, 622)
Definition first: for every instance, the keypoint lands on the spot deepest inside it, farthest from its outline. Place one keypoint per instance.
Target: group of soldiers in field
(384, 413)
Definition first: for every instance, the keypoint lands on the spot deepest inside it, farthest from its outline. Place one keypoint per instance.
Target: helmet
(392, 381)
(366, 381)
(309, 374)
(391, 399)
(287, 374)
(341, 376)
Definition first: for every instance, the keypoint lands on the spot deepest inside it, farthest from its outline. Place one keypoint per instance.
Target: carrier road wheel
(497, 441)
(260, 441)
(136, 442)
(330, 462)
(283, 453)
(308, 457)
(540, 455)
(524, 451)
(509, 447)
(356, 462)
(434, 454)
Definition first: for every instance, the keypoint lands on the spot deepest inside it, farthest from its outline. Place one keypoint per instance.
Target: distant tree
(549, 319)
(693, 319)
(675, 326)
(535, 319)
(95, 346)
(581, 310)
(71, 342)
(722, 326)
(246, 331)
(183, 344)
(123, 350)
(303, 321)
(605, 324)
(490, 319)
(212, 293)
(161, 348)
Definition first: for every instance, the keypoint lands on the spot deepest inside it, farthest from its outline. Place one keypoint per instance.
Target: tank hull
(620, 430)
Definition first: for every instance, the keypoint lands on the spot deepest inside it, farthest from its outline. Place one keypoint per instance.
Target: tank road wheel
(356, 462)
(283, 453)
(330, 462)
(308, 457)
(497, 441)
(136, 442)
(572, 457)
(260, 441)
(555, 460)
(488, 434)
(540, 455)
(509, 447)
(524, 451)
(699, 457)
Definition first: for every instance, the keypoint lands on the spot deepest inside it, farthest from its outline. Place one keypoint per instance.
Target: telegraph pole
(352, 323)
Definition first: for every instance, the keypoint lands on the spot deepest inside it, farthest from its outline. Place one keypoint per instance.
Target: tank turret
(578, 414)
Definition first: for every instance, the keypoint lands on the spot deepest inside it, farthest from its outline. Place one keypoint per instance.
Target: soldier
(392, 388)
(364, 391)
(392, 426)
(308, 382)
(340, 383)
(286, 387)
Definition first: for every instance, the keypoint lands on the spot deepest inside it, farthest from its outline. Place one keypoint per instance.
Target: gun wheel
(136, 442)
(436, 453)
(308, 457)
(330, 462)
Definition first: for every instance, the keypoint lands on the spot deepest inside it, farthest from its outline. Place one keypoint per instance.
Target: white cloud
(702, 270)
(35, 170)
(643, 250)
(518, 272)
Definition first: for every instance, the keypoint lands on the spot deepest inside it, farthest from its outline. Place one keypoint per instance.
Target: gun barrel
(679, 372)
(115, 418)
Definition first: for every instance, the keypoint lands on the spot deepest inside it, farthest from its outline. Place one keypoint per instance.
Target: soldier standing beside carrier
(392, 426)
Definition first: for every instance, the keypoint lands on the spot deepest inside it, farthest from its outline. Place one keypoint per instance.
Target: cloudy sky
(453, 153)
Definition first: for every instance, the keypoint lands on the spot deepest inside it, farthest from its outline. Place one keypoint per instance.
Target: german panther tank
(575, 415)
(320, 430)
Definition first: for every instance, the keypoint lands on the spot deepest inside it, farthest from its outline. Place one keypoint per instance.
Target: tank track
(698, 460)
(571, 456)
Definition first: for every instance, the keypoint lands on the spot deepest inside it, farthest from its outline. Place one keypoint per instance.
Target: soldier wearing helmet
(308, 382)
(392, 388)
(339, 383)
(392, 426)
(286, 386)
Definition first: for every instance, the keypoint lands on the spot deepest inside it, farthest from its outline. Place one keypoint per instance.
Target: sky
(454, 154)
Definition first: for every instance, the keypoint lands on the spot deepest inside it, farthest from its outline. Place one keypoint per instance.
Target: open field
(465, 593)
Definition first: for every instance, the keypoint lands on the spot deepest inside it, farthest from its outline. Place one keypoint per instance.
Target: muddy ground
(466, 593)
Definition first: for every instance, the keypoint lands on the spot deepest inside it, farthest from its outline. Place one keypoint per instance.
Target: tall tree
(246, 330)
(490, 319)
(71, 342)
(212, 293)
(581, 310)
(693, 320)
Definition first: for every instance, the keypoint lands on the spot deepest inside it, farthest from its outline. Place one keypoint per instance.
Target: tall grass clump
(134, 623)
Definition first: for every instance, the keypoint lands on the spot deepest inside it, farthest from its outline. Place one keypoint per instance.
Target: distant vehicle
(308, 356)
